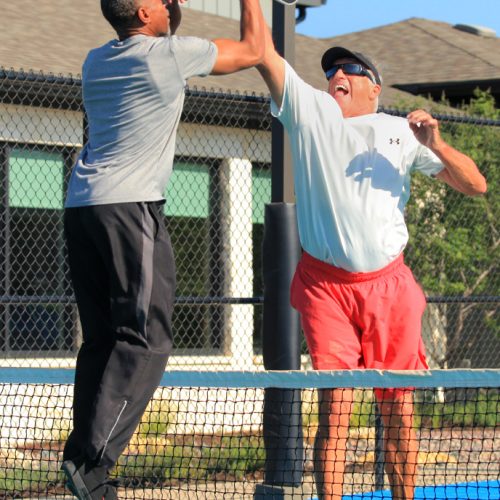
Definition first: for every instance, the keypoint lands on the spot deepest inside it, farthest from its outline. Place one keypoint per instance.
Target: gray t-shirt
(133, 93)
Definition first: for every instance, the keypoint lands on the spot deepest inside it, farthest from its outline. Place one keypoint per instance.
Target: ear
(143, 15)
(375, 91)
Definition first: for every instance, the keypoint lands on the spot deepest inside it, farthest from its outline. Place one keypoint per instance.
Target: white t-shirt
(352, 177)
(133, 93)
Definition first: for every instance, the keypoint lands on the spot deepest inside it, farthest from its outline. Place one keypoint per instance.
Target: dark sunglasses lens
(348, 68)
(353, 69)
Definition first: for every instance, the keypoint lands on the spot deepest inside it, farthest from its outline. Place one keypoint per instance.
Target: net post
(282, 423)
(281, 173)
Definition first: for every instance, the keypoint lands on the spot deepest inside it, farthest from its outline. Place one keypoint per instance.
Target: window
(36, 179)
(261, 195)
(37, 313)
(261, 192)
(188, 191)
(36, 310)
(190, 215)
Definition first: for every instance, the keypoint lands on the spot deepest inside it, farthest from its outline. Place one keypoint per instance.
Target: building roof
(54, 37)
(422, 54)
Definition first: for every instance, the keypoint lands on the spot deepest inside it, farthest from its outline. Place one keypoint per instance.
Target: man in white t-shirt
(119, 251)
(360, 306)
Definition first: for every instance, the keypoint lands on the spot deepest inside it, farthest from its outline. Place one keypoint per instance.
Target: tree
(454, 240)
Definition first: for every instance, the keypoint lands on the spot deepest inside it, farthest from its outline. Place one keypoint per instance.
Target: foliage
(475, 410)
(474, 407)
(158, 419)
(454, 239)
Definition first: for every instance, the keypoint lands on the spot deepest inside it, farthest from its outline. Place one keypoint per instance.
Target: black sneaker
(110, 489)
(87, 483)
(110, 492)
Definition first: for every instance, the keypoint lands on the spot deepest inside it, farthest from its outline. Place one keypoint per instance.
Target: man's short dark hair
(119, 13)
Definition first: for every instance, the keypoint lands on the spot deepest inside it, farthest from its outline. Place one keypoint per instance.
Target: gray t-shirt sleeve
(194, 56)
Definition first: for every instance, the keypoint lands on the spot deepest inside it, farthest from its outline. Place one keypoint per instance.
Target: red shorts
(360, 320)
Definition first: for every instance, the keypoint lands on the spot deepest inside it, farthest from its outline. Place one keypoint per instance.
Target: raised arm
(272, 69)
(248, 51)
(175, 14)
(460, 172)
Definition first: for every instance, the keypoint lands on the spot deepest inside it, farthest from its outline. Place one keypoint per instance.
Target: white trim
(114, 426)
(53, 127)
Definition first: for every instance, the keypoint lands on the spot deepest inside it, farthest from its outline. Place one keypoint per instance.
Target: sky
(338, 17)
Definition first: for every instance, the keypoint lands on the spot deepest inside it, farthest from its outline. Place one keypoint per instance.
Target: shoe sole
(75, 482)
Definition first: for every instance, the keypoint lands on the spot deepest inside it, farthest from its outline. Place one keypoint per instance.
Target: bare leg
(401, 447)
(335, 406)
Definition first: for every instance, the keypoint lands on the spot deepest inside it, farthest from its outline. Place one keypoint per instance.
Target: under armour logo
(394, 141)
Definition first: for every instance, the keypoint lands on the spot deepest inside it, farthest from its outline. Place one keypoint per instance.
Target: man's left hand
(425, 128)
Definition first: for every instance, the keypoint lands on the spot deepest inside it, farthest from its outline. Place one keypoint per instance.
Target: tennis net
(215, 435)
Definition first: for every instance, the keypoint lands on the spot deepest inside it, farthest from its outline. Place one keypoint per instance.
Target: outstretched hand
(425, 128)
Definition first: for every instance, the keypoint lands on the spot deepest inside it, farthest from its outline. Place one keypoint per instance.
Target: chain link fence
(215, 214)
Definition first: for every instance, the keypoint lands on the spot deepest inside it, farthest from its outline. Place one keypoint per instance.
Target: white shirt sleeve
(426, 162)
(301, 102)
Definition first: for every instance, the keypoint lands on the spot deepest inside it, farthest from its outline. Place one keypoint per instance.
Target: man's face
(158, 16)
(355, 94)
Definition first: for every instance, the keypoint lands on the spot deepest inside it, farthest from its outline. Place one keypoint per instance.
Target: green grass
(363, 414)
(482, 409)
(15, 479)
(158, 419)
(463, 408)
(234, 456)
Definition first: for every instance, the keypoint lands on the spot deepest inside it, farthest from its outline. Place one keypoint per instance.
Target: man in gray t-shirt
(133, 91)
(120, 256)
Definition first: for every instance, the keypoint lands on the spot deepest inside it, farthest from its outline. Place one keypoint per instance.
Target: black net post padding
(281, 347)
(379, 451)
(281, 252)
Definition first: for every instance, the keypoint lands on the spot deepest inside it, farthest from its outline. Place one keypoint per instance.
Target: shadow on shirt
(381, 173)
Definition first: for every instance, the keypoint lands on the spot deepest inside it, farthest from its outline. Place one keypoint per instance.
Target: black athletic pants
(123, 273)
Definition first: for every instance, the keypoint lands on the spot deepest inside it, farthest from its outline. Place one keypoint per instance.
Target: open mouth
(341, 89)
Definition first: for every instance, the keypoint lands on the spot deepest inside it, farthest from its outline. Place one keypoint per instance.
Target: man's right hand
(249, 50)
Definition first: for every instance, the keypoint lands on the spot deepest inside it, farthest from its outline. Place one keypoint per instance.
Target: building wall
(37, 150)
(227, 8)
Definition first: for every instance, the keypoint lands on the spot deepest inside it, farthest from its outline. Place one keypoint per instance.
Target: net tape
(289, 379)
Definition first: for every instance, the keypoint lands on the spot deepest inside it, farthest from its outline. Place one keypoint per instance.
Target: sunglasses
(350, 69)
